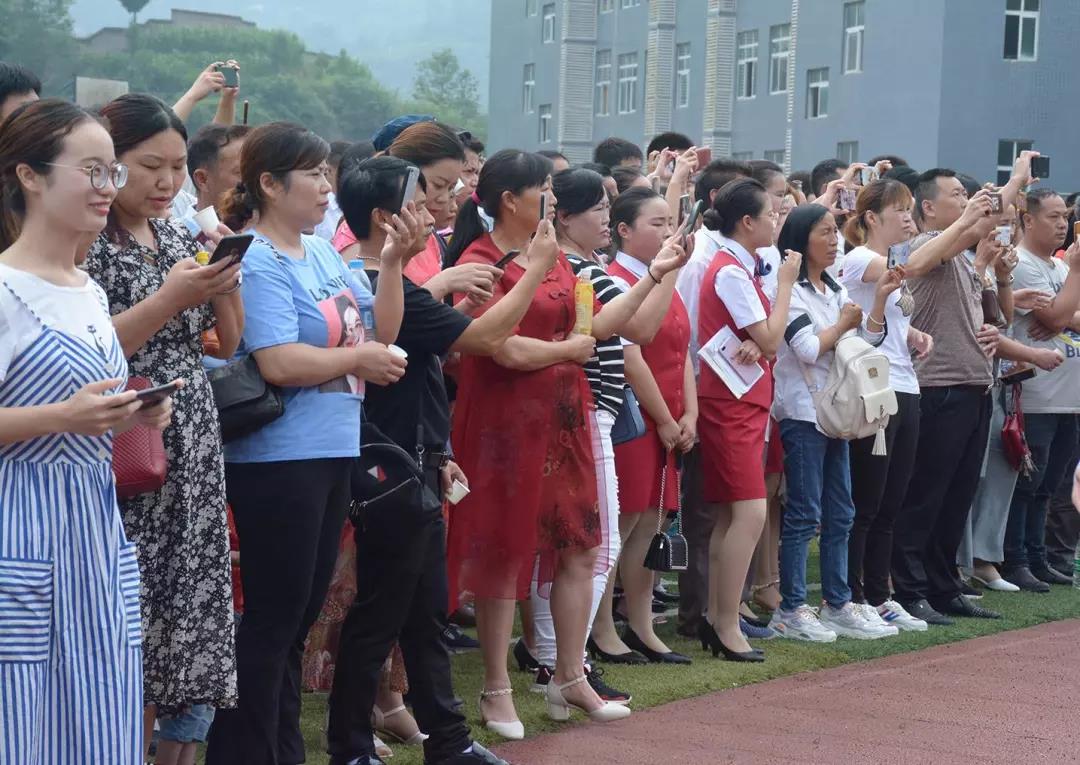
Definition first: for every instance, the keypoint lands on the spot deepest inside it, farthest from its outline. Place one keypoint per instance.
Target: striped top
(605, 370)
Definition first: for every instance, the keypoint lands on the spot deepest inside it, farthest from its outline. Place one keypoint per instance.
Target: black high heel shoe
(634, 643)
(525, 660)
(630, 657)
(711, 641)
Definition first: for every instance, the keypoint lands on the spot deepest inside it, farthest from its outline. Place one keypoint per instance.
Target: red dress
(638, 463)
(732, 430)
(524, 441)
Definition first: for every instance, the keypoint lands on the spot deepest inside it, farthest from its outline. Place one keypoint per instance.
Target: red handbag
(1013, 440)
(139, 460)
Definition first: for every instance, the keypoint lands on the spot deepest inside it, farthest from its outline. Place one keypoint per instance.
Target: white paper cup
(207, 220)
(457, 493)
(399, 352)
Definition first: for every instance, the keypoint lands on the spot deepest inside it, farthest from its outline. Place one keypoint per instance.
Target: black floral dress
(181, 531)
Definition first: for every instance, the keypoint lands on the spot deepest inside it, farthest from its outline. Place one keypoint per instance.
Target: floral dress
(181, 530)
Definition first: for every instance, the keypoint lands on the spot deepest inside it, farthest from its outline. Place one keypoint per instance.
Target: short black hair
(895, 160)
(553, 155)
(337, 151)
(718, 174)
(802, 177)
(612, 151)
(16, 80)
(1036, 197)
(906, 174)
(926, 190)
(475, 145)
(669, 140)
(825, 172)
(971, 184)
(596, 167)
(625, 177)
(206, 145)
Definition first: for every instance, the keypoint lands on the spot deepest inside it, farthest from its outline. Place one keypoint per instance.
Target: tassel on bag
(879, 443)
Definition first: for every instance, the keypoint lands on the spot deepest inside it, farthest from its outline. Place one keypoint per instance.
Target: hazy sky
(390, 36)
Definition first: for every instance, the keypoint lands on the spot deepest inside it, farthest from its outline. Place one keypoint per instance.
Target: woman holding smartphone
(882, 222)
(163, 301)
(70, 632)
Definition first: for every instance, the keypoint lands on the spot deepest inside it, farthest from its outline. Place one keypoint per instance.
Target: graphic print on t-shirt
(344, 329)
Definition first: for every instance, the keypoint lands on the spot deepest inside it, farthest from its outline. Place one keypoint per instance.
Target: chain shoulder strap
(660, 512)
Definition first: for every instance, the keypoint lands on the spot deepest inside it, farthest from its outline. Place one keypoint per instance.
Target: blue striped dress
(70, 632)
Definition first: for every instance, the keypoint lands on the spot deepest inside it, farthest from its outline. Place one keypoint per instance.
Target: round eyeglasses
(101, 173)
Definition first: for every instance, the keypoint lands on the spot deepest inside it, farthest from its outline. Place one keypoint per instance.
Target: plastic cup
(399, 352)
(207, 220)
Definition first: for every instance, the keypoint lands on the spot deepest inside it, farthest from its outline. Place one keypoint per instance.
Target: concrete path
(1008, 698)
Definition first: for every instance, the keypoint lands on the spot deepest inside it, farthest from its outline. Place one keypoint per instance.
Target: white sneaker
(870, 614)
(893, 613)
(800, 624)
(850, 621)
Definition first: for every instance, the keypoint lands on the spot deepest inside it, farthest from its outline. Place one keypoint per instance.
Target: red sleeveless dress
(524, 441)
(731, 430)
(638, 463)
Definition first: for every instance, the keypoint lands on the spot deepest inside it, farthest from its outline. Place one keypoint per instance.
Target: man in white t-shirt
(1051, 399)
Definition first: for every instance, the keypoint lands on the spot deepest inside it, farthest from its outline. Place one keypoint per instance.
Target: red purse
(1013, 440)
(139, 460)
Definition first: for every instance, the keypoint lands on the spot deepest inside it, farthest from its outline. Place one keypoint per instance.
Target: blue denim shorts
(187, 727)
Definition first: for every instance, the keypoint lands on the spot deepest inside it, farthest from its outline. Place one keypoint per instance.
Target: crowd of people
(439, 388)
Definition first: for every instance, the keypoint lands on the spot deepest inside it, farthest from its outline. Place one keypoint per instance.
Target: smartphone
(543, 206)
(232, 76)
(408, 187)
(684, 208)
(1040, 167)
(867, 175)
(704, 157)
(154, 396)
(245, 117)
(1076, 230)
(1004, 235)
(899, 254)
(847, 199)
(458, 491)
(996, 205)
(504, 261)
(232, 247)
(1025, 372)
(692, 218)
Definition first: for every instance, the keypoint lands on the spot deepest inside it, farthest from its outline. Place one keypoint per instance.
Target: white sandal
(559, 708)
(378, 722)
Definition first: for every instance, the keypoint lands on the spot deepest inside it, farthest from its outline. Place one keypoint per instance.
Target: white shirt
(735, 288)
(810, 313)
(79, 312)
(902, 376)
(330, 220)
(634, 266)
(183, 204)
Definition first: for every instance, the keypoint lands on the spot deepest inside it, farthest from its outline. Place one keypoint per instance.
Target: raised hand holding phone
(544, 247)
(94, 411)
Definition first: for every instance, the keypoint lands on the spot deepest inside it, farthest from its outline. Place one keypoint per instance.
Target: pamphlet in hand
(719, 354)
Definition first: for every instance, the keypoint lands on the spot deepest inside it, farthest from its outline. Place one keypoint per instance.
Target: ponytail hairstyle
(374, 184)
(795, 235)
(733, 202)
(627, 208)
(426, 143)
(32, 135)
(276, 148)
(508, 171)
(874, 197)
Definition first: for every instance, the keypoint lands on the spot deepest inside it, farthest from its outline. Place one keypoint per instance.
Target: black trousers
(401, 596)
(698, 522)
(878, 487)
(1063, 522)
(289, 517)
(954, 424)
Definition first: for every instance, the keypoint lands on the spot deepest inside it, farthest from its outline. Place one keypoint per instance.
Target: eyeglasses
(100, 174)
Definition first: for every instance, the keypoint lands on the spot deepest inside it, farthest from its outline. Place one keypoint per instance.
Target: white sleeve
(855, 265)
(800, 335)
(735, 289)
(7, 339)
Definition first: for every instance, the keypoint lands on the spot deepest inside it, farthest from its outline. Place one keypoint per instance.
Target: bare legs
(571, 604)
(766, 578)
(738, 527)
(494, 625)
(637, 530)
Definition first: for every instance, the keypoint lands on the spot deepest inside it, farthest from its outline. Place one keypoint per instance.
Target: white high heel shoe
(559, 707)
(511, 731)
(378, 724)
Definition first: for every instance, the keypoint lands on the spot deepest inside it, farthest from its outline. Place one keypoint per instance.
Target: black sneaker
(603, 690)
(1024, 579)
(659, 606)
(1050, 576)
(543, 677)
(962, 606)
(661, 594)
(921, 609)
(457, 641)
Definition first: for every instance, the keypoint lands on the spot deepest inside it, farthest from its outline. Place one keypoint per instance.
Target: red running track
(1008, 698)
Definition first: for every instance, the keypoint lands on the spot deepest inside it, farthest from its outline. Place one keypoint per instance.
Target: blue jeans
(818, 492)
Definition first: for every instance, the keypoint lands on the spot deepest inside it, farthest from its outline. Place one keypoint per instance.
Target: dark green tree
(133, 7)
(37, 35)
(448, 91)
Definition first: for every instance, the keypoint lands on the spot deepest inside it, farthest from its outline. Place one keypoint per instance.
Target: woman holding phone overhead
(162, 301)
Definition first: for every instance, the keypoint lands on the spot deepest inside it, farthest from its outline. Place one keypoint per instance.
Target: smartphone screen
(995, 203)
(847, 199)
(543, 206)
(1040, 167)
(232, 247)
(684, 208)
(154, 396)
(704, 157)
(899, 254)
(232, 76)
(408, 187)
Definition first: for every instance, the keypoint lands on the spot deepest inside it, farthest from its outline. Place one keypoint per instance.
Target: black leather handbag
(388, 485)
(629, 424)
(245, 401)
(670, 551)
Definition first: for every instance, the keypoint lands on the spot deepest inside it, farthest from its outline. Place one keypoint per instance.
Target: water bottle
(1076, 568)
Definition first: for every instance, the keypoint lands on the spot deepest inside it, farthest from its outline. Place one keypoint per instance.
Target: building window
(528, 88)
(817, 93)
(746, 45)
(779, 47)
(847, 151)
(682, 75)
(603, 83)
(628, 76)
(549, 23)
(1022, 30)
(854, 25)
(607, 6)
(742, 156)
(631, 3)
(545, 123)
(776, 156)
(1008, 151)
(530, 7)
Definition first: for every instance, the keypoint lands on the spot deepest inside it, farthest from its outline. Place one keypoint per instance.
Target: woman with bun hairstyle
(733, 428)
(162, 302)
(289, 482)
(522, 435)
(71, 674)
(882, 219)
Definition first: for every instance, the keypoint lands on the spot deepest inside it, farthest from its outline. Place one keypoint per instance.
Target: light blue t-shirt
(317, 301)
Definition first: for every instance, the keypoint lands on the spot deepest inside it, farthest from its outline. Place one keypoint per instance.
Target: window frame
(605, 84)
(683, 70)
(854, 31)
(629, 4)
(544, 123)
(778, 58)
(1017, 145)
(1022, 15)
(818, 87)
(547, 24)
(606, 6)
(746, 60)
(630, 82)
(781, 153)
(847, 151)
(528, 88)
(530, 7)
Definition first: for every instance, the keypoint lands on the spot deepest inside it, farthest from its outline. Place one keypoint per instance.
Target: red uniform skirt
(638, 464)
(732, 437)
